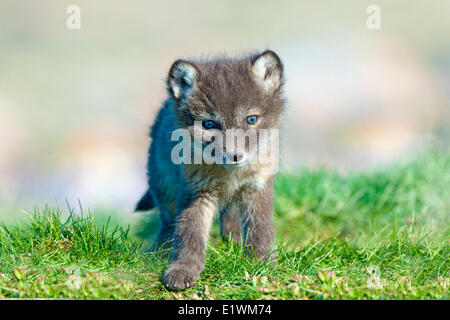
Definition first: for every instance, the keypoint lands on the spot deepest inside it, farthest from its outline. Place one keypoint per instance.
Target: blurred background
(76, 105)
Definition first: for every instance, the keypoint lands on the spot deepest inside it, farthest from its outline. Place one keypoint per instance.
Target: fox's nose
(236, 157)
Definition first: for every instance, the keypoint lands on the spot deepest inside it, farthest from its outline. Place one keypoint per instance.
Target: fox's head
(216, 98)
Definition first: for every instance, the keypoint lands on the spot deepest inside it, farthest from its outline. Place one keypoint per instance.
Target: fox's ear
(267, 70)
(183, 76)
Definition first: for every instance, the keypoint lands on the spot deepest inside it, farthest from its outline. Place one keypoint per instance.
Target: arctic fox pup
(207, 99)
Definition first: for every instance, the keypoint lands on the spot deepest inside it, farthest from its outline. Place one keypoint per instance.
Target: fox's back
(165, 176)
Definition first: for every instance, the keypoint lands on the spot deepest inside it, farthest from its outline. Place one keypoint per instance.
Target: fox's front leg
(190, 240)
(257, 210)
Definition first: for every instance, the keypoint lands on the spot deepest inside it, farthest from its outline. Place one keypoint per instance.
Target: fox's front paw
(179, 278)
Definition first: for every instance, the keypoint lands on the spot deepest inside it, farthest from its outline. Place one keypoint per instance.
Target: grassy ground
(377, 235)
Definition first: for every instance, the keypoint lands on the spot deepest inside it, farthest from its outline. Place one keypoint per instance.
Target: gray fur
(188, 195)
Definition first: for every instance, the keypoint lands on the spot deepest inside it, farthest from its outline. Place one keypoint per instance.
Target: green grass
(376, 235)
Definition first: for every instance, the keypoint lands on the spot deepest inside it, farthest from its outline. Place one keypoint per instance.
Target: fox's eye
(252, 119)
(209, 124)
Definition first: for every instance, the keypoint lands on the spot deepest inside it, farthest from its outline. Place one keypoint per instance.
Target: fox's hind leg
(258, 225)
(230, 223)
(164, 238)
